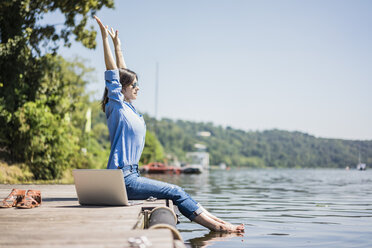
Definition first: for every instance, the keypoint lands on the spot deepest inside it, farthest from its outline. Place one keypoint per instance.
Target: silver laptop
(101, 187)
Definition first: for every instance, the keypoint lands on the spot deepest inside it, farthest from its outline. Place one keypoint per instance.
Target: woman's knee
(179, 193)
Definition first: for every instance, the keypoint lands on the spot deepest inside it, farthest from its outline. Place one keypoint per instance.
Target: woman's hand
(115, 37)
(109, 60)
(104, 30)
(117, 44)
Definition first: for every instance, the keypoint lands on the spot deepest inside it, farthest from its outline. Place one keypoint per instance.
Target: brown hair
(127, 77)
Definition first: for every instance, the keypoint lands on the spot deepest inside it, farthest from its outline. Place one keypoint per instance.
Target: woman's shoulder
(116, 109)
(115, 105)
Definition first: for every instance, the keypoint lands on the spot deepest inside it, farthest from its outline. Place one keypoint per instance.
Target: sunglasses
(134, 85)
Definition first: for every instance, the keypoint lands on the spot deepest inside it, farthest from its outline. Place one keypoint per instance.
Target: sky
(253, 65)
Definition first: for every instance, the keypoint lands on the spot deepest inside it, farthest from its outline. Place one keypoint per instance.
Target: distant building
(199, 158)
(204, 134)
(200, 147)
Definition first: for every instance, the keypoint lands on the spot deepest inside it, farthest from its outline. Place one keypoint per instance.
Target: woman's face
(131, 91)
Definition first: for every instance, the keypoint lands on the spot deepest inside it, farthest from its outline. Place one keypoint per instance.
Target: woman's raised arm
(118, 52)
(109, 60)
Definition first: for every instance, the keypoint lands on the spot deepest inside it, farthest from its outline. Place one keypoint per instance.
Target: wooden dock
(61, 222)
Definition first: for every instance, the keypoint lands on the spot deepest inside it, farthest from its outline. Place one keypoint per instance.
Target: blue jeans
(141, 188)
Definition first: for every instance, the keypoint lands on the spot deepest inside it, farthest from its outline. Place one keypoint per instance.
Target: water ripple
(282, 208)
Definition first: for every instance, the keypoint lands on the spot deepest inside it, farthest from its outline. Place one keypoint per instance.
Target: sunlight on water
(282, 208)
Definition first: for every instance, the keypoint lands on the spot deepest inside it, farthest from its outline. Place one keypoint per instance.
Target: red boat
(156, 167)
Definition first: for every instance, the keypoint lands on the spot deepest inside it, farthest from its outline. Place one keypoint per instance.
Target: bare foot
(214, 225)
(240, 228)
(219, 220)
(229, 228)
(214, 217)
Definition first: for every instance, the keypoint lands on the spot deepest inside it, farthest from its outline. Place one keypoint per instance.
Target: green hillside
(271, 148)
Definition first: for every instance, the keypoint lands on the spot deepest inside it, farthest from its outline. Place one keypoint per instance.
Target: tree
(49, 143)
(153, 150)
(48, 133)
(18, 16)
(22, 37)
(34, 81)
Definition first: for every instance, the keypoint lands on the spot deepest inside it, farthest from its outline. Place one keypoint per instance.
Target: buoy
(164, 217)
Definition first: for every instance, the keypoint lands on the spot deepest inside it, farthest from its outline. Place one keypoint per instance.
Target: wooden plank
(61, 222)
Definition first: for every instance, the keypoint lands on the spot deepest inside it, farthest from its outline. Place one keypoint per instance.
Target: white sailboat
(360, 165)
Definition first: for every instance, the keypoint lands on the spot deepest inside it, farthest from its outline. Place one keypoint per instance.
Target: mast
(156, 105)
(156, 90)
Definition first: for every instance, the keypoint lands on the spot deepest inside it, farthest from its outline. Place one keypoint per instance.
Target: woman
(127, 135)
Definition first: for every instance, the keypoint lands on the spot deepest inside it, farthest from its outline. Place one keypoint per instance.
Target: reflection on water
(282, 208)
(213, 237)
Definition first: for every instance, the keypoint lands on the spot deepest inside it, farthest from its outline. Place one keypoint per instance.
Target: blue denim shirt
(126, 126)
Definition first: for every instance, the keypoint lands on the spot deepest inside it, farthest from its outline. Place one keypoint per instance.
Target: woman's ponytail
(104, 100)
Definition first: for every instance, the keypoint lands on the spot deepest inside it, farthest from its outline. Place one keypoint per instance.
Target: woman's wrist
(117, 44)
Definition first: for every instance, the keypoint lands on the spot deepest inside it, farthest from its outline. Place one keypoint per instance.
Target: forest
(269, 148)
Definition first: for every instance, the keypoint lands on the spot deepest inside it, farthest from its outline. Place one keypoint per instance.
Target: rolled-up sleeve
(113, 85)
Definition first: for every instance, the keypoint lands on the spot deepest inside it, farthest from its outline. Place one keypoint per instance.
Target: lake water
(281, 208)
